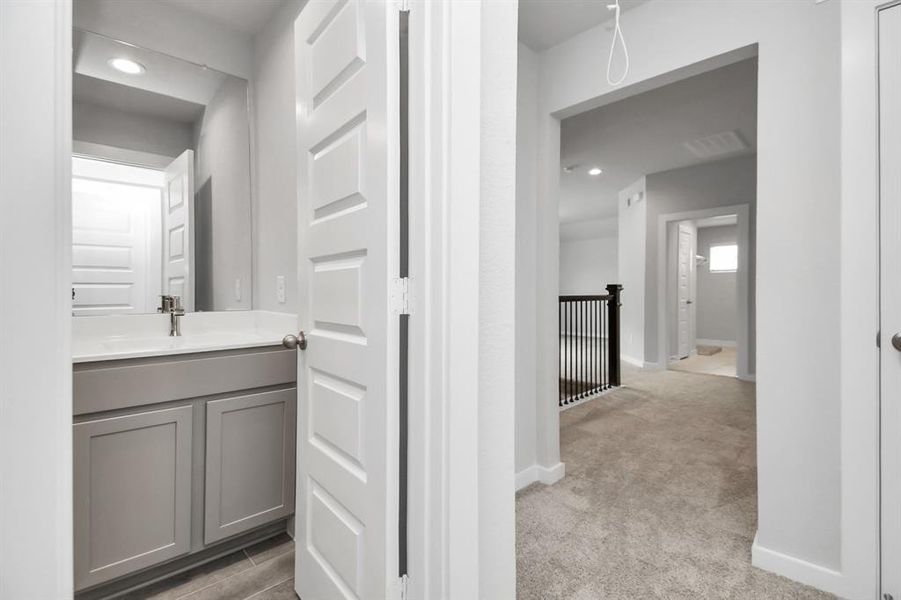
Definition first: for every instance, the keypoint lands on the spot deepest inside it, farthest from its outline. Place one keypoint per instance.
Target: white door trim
(743, 332)
(35, 321)
(461, 524)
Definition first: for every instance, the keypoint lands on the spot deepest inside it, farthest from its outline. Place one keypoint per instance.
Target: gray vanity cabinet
(249, 462)
(179, 459)
(132, 484)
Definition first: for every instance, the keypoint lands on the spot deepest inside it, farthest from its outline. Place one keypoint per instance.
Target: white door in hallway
(345, 547)
(685, 288)
(890, 301)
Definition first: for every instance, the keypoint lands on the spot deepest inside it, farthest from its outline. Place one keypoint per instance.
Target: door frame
(35, 357)
(743, 332)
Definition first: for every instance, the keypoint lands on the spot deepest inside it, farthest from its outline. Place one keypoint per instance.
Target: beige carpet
(659, 498)
(721, 363)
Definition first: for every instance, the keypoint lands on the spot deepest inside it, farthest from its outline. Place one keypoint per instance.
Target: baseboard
(545, 475)
(723, 343)
(796, 569)
(752, 378)
(635, 362)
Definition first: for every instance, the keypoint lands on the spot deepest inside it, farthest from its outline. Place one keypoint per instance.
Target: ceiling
(647, 133)
(546, 23)
(246, 16)
(721, 221)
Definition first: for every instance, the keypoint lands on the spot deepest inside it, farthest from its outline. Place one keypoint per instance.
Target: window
(724, 259)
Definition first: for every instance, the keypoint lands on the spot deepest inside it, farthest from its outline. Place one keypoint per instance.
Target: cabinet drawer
(249, 462)
(112, 385)
(132, 485)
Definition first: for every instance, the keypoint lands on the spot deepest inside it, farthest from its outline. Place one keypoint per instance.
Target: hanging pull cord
(617, 32)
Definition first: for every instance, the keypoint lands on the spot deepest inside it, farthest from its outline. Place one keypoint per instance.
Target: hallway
(659, 498)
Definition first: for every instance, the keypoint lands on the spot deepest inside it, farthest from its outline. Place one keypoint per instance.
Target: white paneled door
(178, 235)
(685, 270)
(115, 238)
(345, 148)
(890, 327)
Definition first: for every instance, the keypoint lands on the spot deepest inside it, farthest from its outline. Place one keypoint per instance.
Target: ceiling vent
(718, 144)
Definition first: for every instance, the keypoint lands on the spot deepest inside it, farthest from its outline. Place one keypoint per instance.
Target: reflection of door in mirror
(178, 221)
(116, 245)
(190, 124)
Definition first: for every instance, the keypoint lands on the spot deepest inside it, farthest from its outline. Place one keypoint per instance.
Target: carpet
(659, 498)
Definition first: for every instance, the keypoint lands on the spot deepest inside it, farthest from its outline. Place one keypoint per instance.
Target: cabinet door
(132, 481)
(249, 462)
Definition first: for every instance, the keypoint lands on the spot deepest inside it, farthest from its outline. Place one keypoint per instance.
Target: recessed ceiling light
(126, 65)
(594, 171)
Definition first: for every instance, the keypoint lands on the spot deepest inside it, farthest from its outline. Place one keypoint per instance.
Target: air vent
(718, 144)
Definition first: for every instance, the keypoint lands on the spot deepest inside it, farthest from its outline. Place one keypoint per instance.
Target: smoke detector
(718, 144)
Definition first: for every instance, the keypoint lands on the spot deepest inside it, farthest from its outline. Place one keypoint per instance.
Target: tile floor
(264, 571)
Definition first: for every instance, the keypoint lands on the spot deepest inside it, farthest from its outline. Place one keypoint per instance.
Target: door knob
(295, 341)
(896, 341)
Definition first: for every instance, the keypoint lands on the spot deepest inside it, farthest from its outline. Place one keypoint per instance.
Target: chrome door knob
(295, 341)
(896, 342)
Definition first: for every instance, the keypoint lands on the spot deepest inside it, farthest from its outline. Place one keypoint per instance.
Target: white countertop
(119, 337)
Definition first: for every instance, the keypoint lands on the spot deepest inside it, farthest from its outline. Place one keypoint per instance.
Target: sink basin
(135, 336)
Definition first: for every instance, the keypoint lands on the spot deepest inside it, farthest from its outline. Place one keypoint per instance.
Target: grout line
(218, 581)
(266, 589)
(253, 562)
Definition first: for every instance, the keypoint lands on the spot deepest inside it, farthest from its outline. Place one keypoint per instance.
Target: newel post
(614, 290)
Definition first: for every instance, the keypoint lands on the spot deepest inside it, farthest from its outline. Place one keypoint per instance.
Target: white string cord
(617, 32)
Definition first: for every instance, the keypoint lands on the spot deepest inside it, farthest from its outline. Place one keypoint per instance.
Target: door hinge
(400, 296)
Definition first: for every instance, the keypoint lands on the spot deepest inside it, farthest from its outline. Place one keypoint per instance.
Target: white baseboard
(546, 475)
(796, 569)
(723, 343)
(635, 362)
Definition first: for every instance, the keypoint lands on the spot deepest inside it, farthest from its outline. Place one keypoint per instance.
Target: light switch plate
(280, 288)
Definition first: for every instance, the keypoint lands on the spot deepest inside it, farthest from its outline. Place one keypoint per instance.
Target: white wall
(526, 276)
(799, 166)
(722, 183)
(633, 215)
(35, 310)
(497, 300)
(222, 181)
(716, 304)
(587, 266)
(275, 161)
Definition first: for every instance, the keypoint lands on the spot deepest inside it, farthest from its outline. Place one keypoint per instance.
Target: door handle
(896, 342)
(291, 341)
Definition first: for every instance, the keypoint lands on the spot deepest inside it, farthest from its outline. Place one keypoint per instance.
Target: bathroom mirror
(161, 188)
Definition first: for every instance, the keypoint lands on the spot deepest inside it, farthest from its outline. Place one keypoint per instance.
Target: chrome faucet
(176, 312)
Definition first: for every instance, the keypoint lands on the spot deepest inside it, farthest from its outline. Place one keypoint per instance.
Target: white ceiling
(546, 23)
(133, 100)
(246, 16)
(647, 133)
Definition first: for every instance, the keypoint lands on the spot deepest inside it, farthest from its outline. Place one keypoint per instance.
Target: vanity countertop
(120, 337)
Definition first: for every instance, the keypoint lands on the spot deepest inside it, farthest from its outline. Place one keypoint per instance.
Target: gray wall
(722, 183)
(716, 302)
(587, 266)
(110, 127)
(222, 188)
(275, 161)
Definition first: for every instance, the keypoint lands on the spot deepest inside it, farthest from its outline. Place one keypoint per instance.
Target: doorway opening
(706, 294)
(654, 188)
